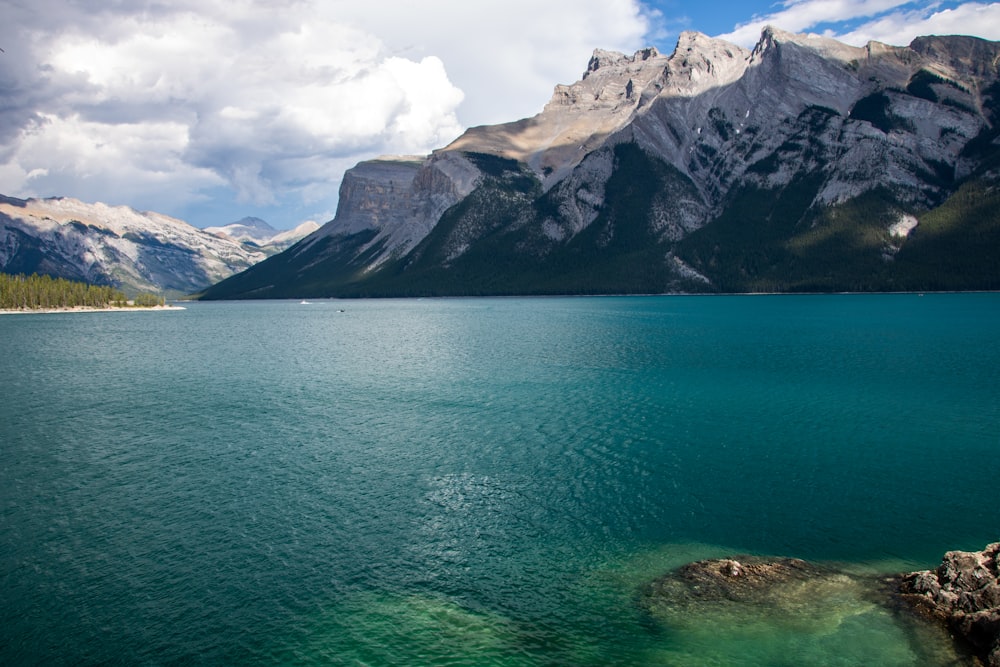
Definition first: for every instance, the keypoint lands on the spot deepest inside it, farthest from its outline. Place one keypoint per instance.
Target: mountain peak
(700, 62)
(805, 164)
(603, 59)
(772, 37)
(692, 40)
(253, 223)
(260, 233)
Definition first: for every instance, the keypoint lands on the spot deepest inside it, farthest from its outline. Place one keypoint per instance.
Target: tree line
(20, 292)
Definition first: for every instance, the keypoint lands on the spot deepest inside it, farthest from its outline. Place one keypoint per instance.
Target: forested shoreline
(41, 292)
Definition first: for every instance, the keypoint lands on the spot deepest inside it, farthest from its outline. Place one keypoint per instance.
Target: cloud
(154, 101)
(982, 20)
(71, 156)
(506, 55)
(186, 100)
(858, 21)
(803, 15)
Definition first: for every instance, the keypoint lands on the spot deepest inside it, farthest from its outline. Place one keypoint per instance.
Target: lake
(484, 481)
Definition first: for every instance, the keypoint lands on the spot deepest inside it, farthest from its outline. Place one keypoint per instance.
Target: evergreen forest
(37, 292)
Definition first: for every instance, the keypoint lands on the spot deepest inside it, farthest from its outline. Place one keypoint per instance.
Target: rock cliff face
(114, 245)
(399, 199)
(804, 164)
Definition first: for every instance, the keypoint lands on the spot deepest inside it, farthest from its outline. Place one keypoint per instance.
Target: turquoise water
(484, 481)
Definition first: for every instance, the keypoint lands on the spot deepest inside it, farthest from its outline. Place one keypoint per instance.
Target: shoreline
(88, 309)
(413, 297)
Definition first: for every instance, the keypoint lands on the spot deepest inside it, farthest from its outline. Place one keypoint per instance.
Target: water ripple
(483, 481)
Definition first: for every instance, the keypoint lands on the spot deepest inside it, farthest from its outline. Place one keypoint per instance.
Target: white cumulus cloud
(803, 15)
(194, 100)
(890, 21)
(158, 104)
(979, 19)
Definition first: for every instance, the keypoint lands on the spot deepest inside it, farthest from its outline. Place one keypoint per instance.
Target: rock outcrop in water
(964, 594)
(749, 579)
(787, 592)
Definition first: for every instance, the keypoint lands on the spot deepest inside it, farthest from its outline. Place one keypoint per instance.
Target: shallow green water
(484, 481)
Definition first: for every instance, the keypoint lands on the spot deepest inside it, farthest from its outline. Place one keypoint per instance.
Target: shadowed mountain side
(305, 270)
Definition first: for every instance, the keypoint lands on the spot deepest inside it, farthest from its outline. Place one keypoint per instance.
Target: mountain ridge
(714, 168)
(137, 251)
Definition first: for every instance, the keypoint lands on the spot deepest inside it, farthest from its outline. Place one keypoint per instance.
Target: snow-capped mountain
(116, 245)
(259, 233)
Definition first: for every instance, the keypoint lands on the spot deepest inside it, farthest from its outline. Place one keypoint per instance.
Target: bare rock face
(399, 198)
(579, 117)
(964, 594)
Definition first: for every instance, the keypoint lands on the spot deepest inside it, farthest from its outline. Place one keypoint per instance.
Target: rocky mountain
(114, 245)
(258, 233)
(802, 165)
(247, 229)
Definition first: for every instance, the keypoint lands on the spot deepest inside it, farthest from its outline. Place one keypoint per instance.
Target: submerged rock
(963, 593)
(749, 590)
(749, 579)
(961, 596)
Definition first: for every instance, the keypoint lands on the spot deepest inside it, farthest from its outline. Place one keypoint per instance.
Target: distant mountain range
(132, 250)
(802, 165)
(256, 232)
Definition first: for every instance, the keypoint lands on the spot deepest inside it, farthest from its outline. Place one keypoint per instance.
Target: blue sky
(212, 110)
(893, 21)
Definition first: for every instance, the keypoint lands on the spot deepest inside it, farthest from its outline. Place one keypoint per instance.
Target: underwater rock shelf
(962, 595)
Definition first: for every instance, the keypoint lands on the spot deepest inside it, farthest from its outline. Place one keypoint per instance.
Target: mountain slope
(803, 165)
(105, 245)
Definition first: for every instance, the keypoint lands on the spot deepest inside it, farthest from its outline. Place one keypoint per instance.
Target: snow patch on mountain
(260, 233)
